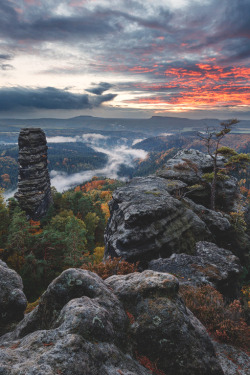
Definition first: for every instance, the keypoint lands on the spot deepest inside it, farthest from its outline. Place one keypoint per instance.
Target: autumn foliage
(225, 322)
(151, 366)
(110, 267)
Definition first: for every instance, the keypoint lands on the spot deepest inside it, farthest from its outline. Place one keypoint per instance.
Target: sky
(125, 58)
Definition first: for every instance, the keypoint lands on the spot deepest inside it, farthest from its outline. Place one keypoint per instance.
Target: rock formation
(147, 222)
(209, 265)
(188, 166)
(34, 194)
(154, 217)
(12, 299)
(81, 327)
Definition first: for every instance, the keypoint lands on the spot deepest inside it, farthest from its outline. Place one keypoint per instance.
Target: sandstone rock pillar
(34, 193)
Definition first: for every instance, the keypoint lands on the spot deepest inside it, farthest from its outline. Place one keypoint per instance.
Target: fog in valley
(119, 152)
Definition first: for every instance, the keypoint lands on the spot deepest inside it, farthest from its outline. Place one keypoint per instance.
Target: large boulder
(210, 265)
(161, 326)
(147, 222)
(12, 299)
(80, 327)
(189, 166)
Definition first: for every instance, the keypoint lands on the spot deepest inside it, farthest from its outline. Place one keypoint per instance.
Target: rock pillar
(34, 193)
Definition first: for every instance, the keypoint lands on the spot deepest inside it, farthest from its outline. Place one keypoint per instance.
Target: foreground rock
(34, 194)
(146, 222)
(80, 328)
(12, 299)
(162, 328)
(210, 265)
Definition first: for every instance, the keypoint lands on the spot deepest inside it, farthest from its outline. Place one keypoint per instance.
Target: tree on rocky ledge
(212, 139)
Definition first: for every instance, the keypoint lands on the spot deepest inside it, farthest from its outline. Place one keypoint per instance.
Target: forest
(70, 235)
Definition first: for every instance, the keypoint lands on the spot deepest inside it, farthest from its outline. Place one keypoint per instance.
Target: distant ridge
(151, 126)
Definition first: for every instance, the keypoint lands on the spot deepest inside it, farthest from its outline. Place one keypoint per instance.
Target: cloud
(100, 88)
(47, 98)
(138, 140)
(61, 139)
(6, 67)
(155, 51)
(5, 57)
(92, 138)
(45, 25)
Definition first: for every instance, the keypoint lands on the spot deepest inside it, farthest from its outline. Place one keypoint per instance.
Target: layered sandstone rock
(146, 222)
(34, 193)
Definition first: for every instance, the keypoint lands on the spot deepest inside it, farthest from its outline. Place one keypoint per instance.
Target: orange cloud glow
(196, 88)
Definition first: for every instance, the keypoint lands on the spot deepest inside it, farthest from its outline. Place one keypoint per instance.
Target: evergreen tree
(75, 231)
(18, 239)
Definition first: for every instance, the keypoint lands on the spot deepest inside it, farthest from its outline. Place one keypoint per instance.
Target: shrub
(151, 366)
(110, 267)
(224, 322)
(31, 306)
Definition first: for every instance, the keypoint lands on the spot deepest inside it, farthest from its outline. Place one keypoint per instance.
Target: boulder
(34, 193)
(210, 265)
(146, 222)
(161, 326)
(12, 299)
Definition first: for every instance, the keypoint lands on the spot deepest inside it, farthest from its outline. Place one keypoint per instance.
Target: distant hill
(240, 142)
(152, 126)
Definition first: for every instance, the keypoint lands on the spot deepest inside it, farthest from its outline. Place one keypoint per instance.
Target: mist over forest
(83, 147)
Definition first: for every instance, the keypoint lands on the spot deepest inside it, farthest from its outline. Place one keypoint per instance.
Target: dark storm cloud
(50, 27)
(100, 88)
(47, 98)
(132, 31)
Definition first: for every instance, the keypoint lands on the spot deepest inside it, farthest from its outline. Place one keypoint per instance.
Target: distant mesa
(34, 192)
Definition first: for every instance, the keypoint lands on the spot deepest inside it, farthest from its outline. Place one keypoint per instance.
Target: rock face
(188, 166)
(80, 327)
(210, 265)
(12, 299)
(147, 222)
(34, 194)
